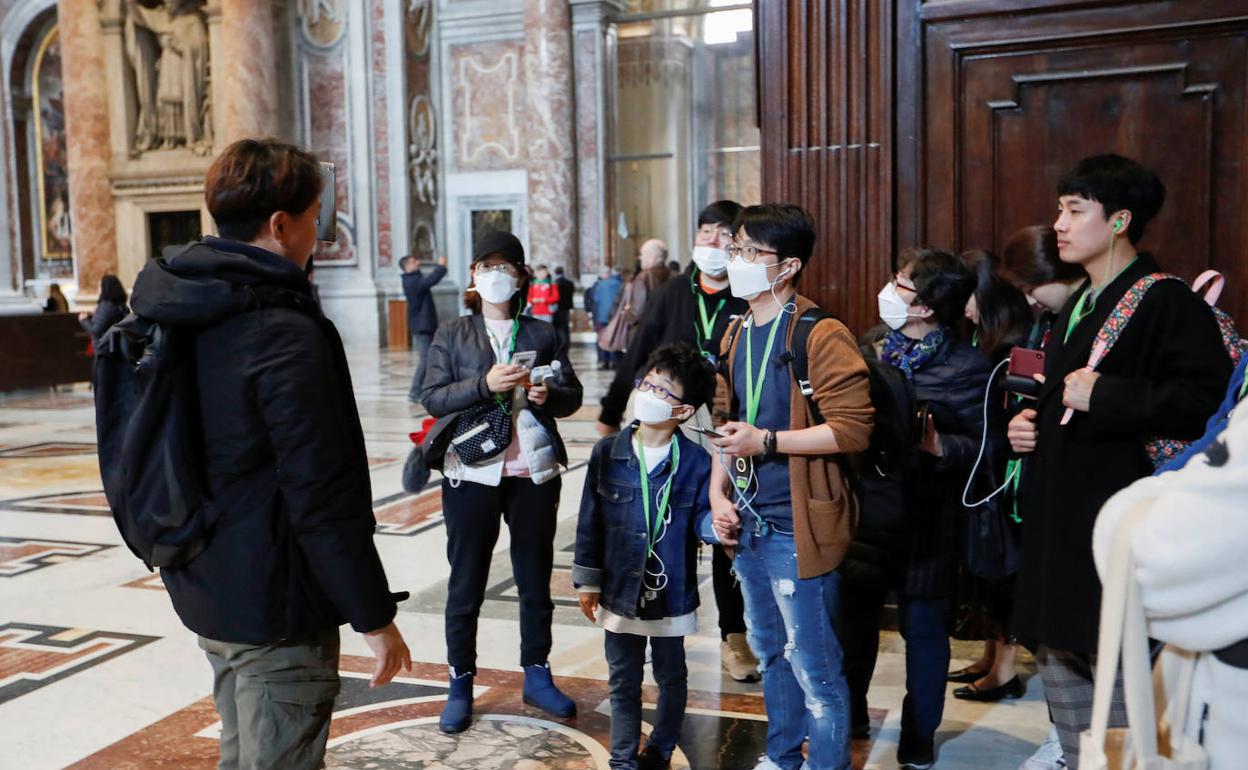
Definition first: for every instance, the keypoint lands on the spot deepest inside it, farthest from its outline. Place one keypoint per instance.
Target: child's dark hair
(786, 228)
(684, 364)
(1117, 183)
(1030, 259)
(942, 283)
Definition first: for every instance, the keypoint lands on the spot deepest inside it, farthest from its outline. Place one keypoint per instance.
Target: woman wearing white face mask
(470, 366)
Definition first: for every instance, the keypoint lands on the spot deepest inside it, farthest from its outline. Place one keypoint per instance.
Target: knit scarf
(910, 355)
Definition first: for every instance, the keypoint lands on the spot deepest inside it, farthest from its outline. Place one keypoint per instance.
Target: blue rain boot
(540, 692)
(457, 713)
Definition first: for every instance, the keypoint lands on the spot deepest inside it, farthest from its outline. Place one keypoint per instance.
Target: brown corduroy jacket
(825, 509)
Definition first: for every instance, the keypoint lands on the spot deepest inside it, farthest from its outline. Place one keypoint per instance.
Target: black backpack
(149, 436)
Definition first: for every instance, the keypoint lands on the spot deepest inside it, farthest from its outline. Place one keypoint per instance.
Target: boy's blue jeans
(626, 658)
(790, 631)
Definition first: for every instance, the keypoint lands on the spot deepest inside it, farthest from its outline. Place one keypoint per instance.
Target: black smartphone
(327, 215)
(705, 432)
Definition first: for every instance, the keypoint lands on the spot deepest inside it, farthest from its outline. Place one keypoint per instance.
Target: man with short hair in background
(422, 313)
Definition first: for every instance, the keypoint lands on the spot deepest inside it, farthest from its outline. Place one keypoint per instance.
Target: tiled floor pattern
(97, 672)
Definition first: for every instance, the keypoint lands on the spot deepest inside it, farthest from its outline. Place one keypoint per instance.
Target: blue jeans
(626, 659)
(790, 631)
(421, 342)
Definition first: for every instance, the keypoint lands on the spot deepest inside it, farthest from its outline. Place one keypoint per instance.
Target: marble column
(245, 70)
(549, 135)
(87, 139)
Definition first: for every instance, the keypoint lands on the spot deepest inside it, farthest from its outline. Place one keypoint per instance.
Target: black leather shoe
(964, 675)
(1011, 689)
(650, 758)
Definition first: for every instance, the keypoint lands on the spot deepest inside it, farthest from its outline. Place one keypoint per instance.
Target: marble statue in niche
(166, 44)
(422, 150)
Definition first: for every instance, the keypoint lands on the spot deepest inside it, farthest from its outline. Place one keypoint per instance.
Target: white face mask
(494, 286)
(749, 279)
(651, 409)
(893, 309)
(710, 260)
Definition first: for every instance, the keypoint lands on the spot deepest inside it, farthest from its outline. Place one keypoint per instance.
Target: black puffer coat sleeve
(299, 387)
(566, 391)
(443, 393)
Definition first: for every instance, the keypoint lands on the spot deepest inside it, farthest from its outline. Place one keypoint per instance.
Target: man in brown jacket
(779, 490)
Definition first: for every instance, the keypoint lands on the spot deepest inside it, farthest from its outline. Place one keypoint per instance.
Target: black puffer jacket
(292, 551)
(916, 547)
(461, 356)
(106, 314)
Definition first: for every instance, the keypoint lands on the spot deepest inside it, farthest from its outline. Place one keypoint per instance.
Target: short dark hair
(111, 289)
(720, 213)
(405, 261)
(1030, 259)
(684, 364)
(1117, 183)
(784, 227)
(559, 270)
(255, 178)
(942, 283)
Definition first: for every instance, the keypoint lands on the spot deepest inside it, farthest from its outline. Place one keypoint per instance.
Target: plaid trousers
(1068, 688)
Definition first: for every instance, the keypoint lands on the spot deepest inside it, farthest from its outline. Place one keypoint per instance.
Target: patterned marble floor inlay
(33, 656)
(81, 503)
(19, 556)
(48, 449)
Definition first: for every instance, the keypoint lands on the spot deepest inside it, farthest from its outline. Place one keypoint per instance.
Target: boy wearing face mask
(694, 308)
(646, 495)
(780, 490)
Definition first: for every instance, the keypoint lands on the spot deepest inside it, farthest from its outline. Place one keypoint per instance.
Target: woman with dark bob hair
(110, 308)
(472, 364)
(923, 307)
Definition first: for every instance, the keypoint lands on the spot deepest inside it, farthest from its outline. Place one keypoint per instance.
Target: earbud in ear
(1119, 225)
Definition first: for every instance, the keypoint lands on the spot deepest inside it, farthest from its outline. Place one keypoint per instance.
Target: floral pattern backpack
(1209, 284)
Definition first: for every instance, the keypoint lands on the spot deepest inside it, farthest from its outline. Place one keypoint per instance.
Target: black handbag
(481, 432)
(990, 549)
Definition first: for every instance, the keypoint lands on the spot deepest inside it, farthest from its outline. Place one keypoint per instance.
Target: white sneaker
(1048, 756)
(765, 763)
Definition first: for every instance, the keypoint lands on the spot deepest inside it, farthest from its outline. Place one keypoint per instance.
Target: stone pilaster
(549, 134)
(87, 139)
(245, 70)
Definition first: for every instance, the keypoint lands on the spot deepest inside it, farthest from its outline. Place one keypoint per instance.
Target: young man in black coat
(291, 556)
(422, 314)
(696, 308)
(1163, 378)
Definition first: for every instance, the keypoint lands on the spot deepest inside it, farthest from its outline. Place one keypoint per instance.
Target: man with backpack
(269, 481)
(794, 399)
(1135, 357)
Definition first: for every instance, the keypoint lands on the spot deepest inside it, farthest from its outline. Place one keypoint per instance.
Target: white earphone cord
(983, 445)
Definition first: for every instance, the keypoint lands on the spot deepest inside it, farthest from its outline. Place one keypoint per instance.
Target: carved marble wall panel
(489, 109)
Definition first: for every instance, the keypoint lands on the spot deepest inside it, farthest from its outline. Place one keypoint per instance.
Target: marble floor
(97, 672)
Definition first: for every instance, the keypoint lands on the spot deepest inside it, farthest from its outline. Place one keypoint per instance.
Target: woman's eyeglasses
(501, 267)
(660, 391)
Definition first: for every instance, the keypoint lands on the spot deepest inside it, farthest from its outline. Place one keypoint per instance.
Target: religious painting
(52, 172)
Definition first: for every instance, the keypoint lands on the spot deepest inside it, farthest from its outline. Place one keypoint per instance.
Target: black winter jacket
(292, 550)
(1164, 377)
(920, 557)
(671, 315)
(461, 356)
(106, 314)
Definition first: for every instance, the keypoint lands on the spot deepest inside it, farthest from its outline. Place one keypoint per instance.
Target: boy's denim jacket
(611, 535)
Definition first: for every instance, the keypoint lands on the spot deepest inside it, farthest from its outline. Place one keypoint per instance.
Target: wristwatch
(769, 444)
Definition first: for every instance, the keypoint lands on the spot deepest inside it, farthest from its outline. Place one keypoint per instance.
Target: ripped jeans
(789, 627)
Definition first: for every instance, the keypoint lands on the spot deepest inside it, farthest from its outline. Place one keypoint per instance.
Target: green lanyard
(653, 525)
(702, 335)
(754, 395)
(1243, 389)
(1014, 473)
(1084, 308)
(502, 400)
